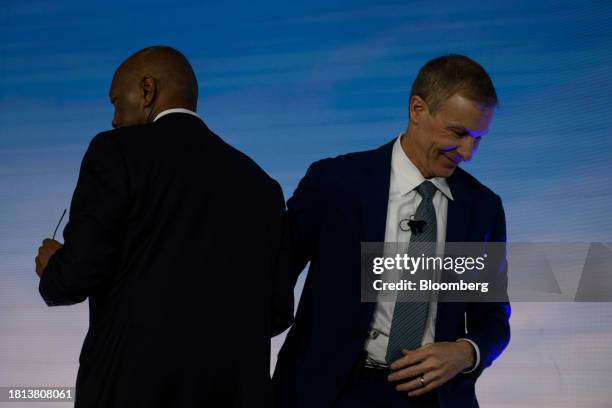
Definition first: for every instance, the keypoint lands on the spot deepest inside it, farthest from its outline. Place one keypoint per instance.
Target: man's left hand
(46, 251)
(435, 363)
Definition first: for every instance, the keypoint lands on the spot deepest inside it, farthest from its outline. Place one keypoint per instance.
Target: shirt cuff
(476, 351)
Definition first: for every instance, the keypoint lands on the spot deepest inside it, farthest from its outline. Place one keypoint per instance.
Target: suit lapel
(457, 221)
(374, 194)
(457, 224)
(373, 199)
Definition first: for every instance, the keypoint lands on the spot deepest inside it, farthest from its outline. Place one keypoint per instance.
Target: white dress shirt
(403, 202)
(175, 110)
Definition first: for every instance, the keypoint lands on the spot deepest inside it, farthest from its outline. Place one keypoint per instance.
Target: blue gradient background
(290, 83)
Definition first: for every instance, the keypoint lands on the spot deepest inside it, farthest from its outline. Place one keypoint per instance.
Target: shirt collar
(175, 110)
(407, 176)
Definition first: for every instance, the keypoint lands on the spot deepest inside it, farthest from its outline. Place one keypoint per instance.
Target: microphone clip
(415, 226)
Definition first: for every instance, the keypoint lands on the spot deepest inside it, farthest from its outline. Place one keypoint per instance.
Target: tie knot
(426, 189)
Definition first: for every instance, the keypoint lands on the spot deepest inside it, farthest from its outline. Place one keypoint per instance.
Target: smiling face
(436, 143)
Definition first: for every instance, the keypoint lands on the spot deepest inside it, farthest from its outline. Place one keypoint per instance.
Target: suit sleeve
(488, 322)
(299, 231)
(90, 255)
(282, 287)
(303, 220)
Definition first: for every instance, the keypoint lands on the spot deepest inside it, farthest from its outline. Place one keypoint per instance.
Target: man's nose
(466, 148)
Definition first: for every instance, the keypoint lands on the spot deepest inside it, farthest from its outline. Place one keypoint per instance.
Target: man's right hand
(45, 252)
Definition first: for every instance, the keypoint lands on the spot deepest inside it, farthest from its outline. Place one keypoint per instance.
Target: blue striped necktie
(410, 314)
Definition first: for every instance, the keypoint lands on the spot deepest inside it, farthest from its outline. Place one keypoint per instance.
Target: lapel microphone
(412, 225)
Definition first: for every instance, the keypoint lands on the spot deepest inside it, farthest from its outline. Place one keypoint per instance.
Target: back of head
(445, 76)
(150, 81)
(175, 76)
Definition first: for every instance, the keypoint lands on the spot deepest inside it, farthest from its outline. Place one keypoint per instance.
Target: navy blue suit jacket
(340, 203)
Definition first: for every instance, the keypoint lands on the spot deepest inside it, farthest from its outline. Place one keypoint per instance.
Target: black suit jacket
(173, 236)
(340, 203)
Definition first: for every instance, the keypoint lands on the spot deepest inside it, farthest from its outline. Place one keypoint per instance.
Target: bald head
(150, 81)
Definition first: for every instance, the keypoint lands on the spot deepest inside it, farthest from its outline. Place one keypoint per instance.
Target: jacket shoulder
(120, 136)
(252, 170)
(136, 142)
(474, 185)
(341, 167)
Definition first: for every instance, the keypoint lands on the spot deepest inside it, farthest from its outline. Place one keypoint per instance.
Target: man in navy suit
(337, 354)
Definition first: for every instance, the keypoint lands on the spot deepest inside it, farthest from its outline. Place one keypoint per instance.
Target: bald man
(174, 237)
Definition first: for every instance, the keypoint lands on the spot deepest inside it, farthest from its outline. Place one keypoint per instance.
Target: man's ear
(148, 86)
(417, 109)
